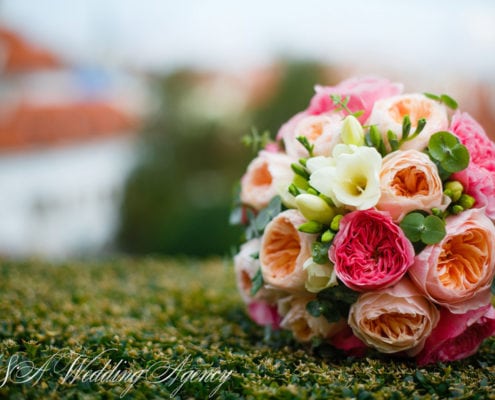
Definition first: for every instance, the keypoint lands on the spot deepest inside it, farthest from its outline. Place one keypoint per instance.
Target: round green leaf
(315, 308)
(413, 226)
(440, 145)
(434, 230)
(457, 159)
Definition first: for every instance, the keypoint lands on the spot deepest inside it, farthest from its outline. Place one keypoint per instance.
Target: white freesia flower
(314, 163)
(320, 276)
(354, 181)
(314, 208)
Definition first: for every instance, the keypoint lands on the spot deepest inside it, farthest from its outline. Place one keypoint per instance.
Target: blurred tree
(177, 200)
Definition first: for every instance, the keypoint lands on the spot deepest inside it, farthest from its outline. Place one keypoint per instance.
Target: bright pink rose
(457, 272)
(363, 93)
(369, 251)
(479, 177)
(264, 314)
(458, 336)
(346, 340)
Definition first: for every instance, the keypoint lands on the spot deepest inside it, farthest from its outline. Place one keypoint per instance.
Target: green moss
(174, 312)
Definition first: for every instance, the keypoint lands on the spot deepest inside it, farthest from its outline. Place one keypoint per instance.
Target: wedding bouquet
(369, 224)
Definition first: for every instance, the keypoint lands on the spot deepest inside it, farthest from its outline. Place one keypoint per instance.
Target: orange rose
(409, 181)
(284, 250)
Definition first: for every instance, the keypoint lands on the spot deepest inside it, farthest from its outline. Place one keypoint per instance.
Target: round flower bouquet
(369, 224)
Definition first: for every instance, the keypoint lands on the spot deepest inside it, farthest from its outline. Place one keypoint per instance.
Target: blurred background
(121, 120)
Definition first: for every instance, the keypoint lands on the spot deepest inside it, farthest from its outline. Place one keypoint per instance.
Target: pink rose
(394, 319)
(346, 340)
(322, 131)
(458, 336)
(264, 314)
(409, 181)
(370, 251)
(363, 93)
(457, 272)
(283, 252)
(479, 177)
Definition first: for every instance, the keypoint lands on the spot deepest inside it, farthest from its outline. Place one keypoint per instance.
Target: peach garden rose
(394, 319)
(284, 251)
(457, 272)
(409, 181)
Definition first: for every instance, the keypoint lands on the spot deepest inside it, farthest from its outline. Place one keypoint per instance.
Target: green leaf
(493, 287)
(440, 145)
(433, 96)
(257, 282)
(339, 293)
(314, 308)
(457, 160)
(434, 230)
(258, 223)
(449, 101)
(413, 226)
(319, 252)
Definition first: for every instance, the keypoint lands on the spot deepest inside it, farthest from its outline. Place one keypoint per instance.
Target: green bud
(293, 190)
(312, 191)
(327, 236)
(352, 131)
(314, 208)
(310, 227)
(300, 182)
(457, 209)
(466, 201)
(334, 225)
(302, 161)
(454, 189)
(300, 170)
(437, 212)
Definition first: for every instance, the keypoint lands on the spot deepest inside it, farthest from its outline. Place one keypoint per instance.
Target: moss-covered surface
(183, 317)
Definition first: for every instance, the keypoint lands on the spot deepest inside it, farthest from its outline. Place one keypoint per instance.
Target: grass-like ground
(183, 325)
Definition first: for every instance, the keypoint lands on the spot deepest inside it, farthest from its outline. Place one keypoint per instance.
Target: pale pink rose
(389, 113)
(284, 250)
(457, 272)
(304, 326)
(246, 265)
(346, 341)
(267, 175)
(479, 177)
(479, 182)
(264, 314)
(458, 336)
(394, 319)
(370, 252)
(409, 181)
(288, 128)
(363, 93)
(322, 131)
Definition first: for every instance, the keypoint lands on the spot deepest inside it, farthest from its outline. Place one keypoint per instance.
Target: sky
(435, 36)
